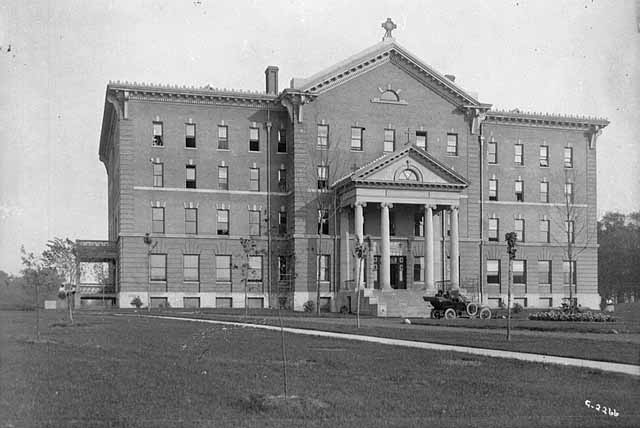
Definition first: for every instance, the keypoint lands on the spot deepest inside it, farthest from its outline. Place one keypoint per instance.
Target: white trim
(226, 192)
(538, 204)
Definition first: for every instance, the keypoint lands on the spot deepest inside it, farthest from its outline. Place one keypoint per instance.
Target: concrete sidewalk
(629, 369)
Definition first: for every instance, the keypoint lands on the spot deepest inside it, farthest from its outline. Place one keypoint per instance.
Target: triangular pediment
(408, 167)
(377, 55)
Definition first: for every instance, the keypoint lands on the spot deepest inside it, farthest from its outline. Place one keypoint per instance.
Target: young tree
(60, 255)
(36, 275)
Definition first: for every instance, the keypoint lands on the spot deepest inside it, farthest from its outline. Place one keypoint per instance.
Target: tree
(36, 275)
(60, 255)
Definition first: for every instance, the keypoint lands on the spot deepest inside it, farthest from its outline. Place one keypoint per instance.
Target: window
(254, 139)
(569, 271)
(223, 268)
(544, 155)
(254, 179)
(191, 221)
(493, 189)
(323, 172)
(545, 236)
(324, 267)
(323, 222)
(282, 141)
(421, 139)
(544, 272)
(544, 191)
(408, 175)
(323, 136)
(493, 272)
(282, 222)
(389, 140)
(494, 225)
(568, 157)
(283, 268)
(418, 262)
(223, 177)
(519, 189)
(418, 225)
(254, 223)
(191, 267)
(157, 135)
(157, 220)
(282, 179)
(255, 268)
(190, 135)
(518, 155)
(492, 152)
(518, 226)
(569, 230)
(191, 177)
(223, 137)
(568, 193)
(452, 144)
(356, 138)
(157, 267)
(158, 175)
(223, 222)
(519, 271)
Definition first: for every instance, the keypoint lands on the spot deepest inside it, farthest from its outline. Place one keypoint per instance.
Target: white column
(385, 247)
(455, 250)
(345, 255)
(428, 250)
(359, 230)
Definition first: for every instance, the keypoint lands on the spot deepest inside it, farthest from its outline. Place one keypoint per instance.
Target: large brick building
(379, 147)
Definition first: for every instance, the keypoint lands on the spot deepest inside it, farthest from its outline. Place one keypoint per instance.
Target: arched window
(407, 175)
(389, 95)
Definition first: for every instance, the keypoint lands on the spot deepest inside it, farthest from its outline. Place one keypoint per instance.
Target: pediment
(408, 167)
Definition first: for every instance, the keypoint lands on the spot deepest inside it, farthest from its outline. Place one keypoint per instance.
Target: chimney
(271, 78)
(450, 77)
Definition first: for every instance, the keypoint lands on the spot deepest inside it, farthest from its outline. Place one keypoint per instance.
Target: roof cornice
(517, 117)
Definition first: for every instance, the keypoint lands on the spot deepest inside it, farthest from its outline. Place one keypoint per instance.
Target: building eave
(517, 117)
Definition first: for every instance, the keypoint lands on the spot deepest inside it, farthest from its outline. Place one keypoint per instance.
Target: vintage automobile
(452, 305)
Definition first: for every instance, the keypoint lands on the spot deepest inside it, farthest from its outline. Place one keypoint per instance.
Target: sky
(56, 58)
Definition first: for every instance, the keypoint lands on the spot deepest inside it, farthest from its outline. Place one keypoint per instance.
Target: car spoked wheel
(485, 313)
(450, 314)
(472, 309)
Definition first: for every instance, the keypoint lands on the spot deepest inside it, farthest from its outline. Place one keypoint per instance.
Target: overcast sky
(578, 57)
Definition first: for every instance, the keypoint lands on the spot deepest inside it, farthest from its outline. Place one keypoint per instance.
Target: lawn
(132, 371)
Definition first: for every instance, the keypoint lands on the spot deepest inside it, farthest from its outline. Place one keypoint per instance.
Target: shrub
(576, 316)
(344, 309)
(136, 302)
(517, 308)
(309, 306)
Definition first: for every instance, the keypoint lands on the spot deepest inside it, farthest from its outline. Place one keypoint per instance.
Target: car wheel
(472, 309)
(485, 313)
(434, 313)
(449, 314)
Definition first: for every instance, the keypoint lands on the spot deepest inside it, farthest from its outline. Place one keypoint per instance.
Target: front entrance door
(398, 272)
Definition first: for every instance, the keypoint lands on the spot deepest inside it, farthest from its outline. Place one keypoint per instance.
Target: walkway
(522, 356)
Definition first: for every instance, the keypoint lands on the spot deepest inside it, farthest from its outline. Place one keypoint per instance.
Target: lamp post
(511, 239)
(148, 241)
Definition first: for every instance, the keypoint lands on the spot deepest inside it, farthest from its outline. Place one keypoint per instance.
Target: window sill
(282, 153)
(356, 150)
(191, 148)
(157, 281)
(193, 282)
(451, 155)
(157, 147)
(223, 150)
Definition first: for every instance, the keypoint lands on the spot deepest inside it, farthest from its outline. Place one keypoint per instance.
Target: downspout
(269, 279)
(481, 246)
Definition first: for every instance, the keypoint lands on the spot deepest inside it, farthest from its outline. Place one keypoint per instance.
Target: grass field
(131, 371)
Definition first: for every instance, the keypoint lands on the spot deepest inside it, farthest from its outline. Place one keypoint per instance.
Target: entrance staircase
(392, 303)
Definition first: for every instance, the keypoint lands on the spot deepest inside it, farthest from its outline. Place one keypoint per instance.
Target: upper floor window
(191, 267)
(389, 140)
(544, 155)
(568, 157)
(493, 189)
(157, 267)
(191, 177)
(157, 134)
(191, 221)
(223, 268)
(282, 141)
(518, 154)
(324, 267)
(223, 177)
(569, 227)
(544, 272)
(223, 137)
(254, 139)
(418, 225)
(282, 222)
(323, 136)
(190, 135)
(254, 179)
(254, 223)
(407, 175)
(545, 235)
(494, 231)
(569, 272)
(158, 175)
(519, 271)
(323, 173)
(493, 272)
(519, 190)
(223, 222)
(255, 268)
(323, 222)
(568, 193)
(356, 138)
(518, 226)
(544, 191)
(452, 144)
(283, 268)
(421, 139)
(492, 152)
(157, 220)
(282, 179)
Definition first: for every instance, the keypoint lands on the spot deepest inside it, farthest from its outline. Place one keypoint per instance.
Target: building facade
(226, 198)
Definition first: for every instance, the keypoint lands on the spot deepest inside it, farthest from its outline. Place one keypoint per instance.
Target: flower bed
(576, 316)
